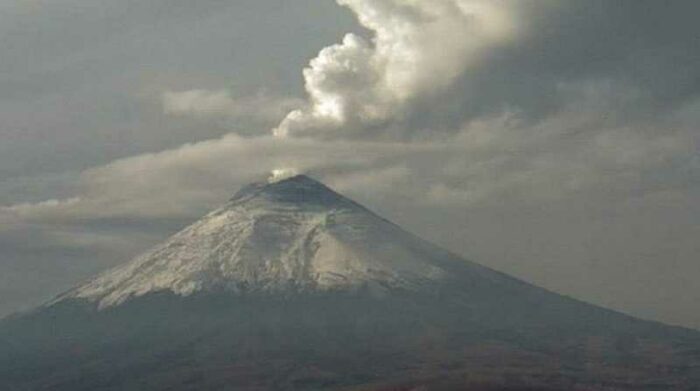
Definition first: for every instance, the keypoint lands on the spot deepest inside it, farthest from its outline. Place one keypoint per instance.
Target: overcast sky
(554, 140)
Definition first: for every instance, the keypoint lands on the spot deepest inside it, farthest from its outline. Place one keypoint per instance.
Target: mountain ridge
(292, 286)
(292, 234)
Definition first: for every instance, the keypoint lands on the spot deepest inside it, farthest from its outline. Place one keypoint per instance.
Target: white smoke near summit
(417, 49)
(280, 174)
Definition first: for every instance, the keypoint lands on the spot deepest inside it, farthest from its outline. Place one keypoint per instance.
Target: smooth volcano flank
(292, 286)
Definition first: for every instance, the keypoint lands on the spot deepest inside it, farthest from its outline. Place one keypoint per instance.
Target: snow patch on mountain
(293, 234)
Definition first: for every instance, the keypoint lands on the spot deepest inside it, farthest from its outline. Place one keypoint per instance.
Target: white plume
(280, 174)
(418, 47)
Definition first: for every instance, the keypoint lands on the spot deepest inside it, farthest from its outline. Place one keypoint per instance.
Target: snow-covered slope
(303, 289)
(295, 234)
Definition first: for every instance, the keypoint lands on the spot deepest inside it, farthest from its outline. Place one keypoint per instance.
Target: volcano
(292, 286)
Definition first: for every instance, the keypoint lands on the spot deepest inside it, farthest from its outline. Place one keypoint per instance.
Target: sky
(555, 140)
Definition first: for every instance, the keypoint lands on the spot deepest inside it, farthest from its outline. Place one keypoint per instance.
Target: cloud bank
(220, 103)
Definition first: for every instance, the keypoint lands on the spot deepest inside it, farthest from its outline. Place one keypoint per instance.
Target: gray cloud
(81, 81)
(258, 111)
(639, 57)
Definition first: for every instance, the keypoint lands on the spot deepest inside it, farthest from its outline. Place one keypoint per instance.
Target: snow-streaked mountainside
(291, 286)
(295, 234)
